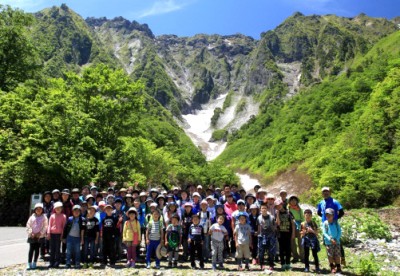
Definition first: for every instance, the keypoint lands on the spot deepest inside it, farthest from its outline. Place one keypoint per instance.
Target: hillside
(342, 132)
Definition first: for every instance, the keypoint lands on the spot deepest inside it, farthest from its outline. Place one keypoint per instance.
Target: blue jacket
(329, 203)
(331, 231)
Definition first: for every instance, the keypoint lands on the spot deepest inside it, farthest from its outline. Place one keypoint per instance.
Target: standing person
(186, 222)
(329, 202)
(131, 236)
(73, 235)
(205, 222)
(67, 210)
(109, 229)
(309, 234)
(240, 211)
(297, 212)
(332, 234)
(54, 233)
(249, 199)
(119, 213)
(286, 233)
(196, 238)
(75, 199)
(36, 227)
(227, 191)
(55, 195)
(196, 202)
(228, 246)
(91, 237)
(218, 232)
(261, 193)
(211, 206)
(253, 218)
(266, 237)
(243, 241)
(47, 210)
(283, 195)
(173, 238)
(154, 236)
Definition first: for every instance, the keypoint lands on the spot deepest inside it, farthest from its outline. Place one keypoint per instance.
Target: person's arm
(325, 231)
(49, 226)
(190, 234)
(29, 226)
(341, 213)
(235, 237)
(43, 231)
(147, 235)
(166, 238)
(139, 230)
(319, 210)
(209, 230)
(125, 231)
(162, 235)
(250, 239)
(294, 228)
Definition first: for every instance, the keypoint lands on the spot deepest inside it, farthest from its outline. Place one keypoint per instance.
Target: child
(173, 238)
(91, 237)
(266, 237)
(286, 232)
(73, 235)
(218, 232)
(332, 233)
(154, 236)
(227, 224)
(54, 233)
(196, 238)
(47, 210)
(309, 234)
(131, 236)
(119, 213)
(36, 227)
(211, 206)
(295, 209)
(186, 222)
(243, 241)
(205, 222)
(109, 229)
(253, 217)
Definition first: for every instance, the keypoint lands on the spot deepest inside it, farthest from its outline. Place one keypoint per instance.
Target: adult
(227, 191)
(326, 203)
(85, 192)
(75, 193)
(298, 215)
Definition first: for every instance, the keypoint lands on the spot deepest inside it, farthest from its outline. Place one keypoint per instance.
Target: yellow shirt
(129, 229)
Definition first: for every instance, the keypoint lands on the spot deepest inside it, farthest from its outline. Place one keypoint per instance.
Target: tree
(18, 57)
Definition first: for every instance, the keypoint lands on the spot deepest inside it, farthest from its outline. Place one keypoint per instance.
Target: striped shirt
(154, 230)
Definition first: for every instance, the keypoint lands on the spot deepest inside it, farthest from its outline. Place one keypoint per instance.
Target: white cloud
(26, 5)
(163, 7)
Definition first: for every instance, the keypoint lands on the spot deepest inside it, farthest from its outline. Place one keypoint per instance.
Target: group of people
(83, 227)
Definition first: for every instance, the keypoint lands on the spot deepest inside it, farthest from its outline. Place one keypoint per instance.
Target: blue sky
(189, 17)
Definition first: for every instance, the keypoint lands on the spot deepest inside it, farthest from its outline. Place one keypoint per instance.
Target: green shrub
(368, 266)
(220, 134)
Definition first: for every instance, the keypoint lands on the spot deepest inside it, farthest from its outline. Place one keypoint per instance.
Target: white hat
(253, 206)
(58, 204)
(210, 197)
(76, 207)
(161, 251)
(196, 194)
(203, 202)
(325, 189)
(154, 205)
(199, 187)
(38, 205)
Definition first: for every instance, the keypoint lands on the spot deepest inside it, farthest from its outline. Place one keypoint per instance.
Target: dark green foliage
(18, 56)
(219, 135)
(216, 115)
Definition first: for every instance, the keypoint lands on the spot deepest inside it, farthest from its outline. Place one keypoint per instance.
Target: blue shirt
(329, 203)
(331, 230)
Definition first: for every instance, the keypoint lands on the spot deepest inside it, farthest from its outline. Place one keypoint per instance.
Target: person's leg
(282, 250)
(192, 254)
(261, 251)
(293, 246)
(85, 253)
(300, 248)
(200, 254)
(148, 254)
(57, 245)
(69, 251)
(52, 250)
(133, 253)
(316, 259)
(214, 252)
(77, 251)
(112, 252)
(36, 252)
(185, 248)
(156, 243)
(307, 257)
(287, 250)
(254, 250)
(30, 254)
(271, 247)
(104, 247)
(63, 250)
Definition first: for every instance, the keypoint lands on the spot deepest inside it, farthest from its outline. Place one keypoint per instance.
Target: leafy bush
(368, 266)
(220, 134)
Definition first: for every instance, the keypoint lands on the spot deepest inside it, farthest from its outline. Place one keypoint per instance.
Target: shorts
(333, 250)
(243, 251)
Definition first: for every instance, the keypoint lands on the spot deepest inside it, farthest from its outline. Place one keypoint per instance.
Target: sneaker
(283, 267)
(214, 267)
(317, 270)
(247, 267)
(67, 266)
(262, 268)
(50, 266)
(240, 268)
(193, 267)
(157, 266)
(295, 260)
(78, 266)
(56, 265)
(29, 266)
(34, 265)
(343, 262)
(254, 262)
(288, 267)
(169, 264)
(338, 270)
(133, 264)
(148, 266)
(333, 270)
(175, 264)
(271, 268)
(306, 270)
(128, 264)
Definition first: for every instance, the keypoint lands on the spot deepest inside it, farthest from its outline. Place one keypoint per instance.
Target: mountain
(343, 132)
